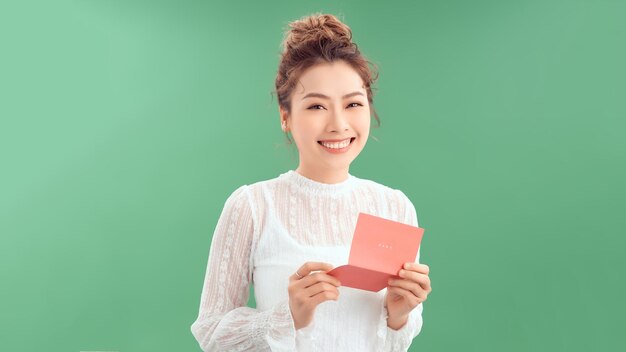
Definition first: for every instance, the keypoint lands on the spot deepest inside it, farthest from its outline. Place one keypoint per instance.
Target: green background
(125, 125)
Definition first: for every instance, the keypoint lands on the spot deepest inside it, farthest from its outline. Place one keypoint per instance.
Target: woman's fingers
(421, 268)
(316, 294)
(323, 296)
(422, 279)
(411, 286)
(313, 284)
(309, 267)
(408, 295)
(309, 286)
(312, 279)
(320, 287)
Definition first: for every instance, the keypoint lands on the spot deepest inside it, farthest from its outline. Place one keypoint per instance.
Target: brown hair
(315, 39)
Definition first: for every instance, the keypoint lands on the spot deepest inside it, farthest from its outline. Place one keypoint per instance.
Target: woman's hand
(307, 290)
(406, 293)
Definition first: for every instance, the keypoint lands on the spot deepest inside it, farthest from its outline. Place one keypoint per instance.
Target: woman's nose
(338, 121)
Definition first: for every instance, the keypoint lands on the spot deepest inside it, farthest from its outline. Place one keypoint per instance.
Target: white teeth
(338, 145)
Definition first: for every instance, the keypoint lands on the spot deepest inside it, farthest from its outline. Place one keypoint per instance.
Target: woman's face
(329, 105)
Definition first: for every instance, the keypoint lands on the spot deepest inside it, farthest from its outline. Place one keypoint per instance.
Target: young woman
(284, 234)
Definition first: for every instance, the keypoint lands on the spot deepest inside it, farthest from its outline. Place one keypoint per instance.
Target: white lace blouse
(269, 229)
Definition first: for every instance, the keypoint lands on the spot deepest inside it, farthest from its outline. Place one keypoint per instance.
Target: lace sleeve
(224, 321)
(400, 340)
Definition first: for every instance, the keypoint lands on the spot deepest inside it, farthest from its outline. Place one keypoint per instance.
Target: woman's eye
(313, 107)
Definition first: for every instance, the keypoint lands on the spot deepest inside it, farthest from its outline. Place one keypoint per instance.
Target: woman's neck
(328, 176)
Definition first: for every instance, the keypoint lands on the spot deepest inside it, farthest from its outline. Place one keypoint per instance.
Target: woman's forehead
(333, 80)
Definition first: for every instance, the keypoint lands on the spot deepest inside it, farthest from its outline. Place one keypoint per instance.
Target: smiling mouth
(336, 145)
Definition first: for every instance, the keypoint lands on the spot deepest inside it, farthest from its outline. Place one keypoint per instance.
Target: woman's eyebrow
(319, 95)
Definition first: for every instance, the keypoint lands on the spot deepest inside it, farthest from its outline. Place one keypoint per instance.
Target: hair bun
(317, 28)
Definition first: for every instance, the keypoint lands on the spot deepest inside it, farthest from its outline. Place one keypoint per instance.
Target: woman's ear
(283, 119)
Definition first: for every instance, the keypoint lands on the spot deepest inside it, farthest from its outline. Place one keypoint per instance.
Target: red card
(380, 247)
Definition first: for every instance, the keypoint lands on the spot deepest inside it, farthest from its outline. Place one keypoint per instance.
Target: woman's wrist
(397, 323)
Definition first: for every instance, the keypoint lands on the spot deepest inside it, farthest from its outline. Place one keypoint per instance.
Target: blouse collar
(319, 187)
